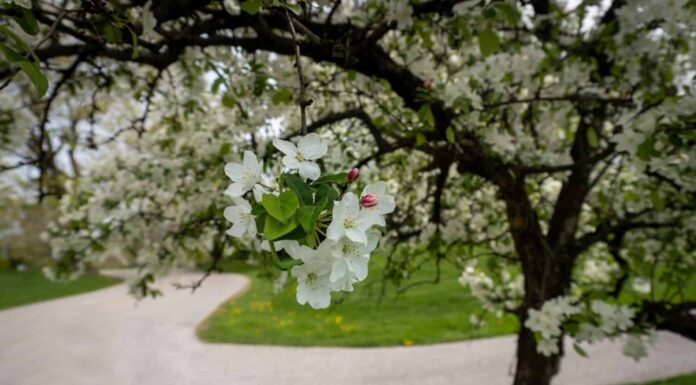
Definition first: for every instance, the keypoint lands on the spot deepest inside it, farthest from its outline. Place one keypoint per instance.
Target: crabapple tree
(546, 147)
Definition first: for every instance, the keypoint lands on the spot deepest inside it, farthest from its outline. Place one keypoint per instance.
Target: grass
(422, 315)
(21, 288)
(687, 379)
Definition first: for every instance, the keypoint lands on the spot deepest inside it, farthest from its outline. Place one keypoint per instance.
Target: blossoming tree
(544, 146)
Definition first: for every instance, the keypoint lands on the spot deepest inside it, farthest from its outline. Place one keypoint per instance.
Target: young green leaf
(341, 177)
(274, 229)
(251, 7)
(34, 73)
(296, 184)
(450, 134)
(592, 137)
(11, 55)
(488, 40)
(579, 350)
(326, 193)
(228, 100)
(283, 96)
(307, 216)
(27, 21)
(508, 10)
(425, 114)
(281, 207)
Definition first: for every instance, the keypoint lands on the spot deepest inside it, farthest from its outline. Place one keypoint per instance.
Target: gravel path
(104, 337)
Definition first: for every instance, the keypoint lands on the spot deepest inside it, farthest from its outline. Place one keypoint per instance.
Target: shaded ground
(103, 337)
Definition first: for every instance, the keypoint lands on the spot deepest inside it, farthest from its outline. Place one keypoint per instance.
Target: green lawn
(424, 314)
(21, 288)
(687, 379)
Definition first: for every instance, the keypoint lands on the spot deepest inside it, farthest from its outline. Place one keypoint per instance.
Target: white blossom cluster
(341, 258)
(599, 321)
(506, 293)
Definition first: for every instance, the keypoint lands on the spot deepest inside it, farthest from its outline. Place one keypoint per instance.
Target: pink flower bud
(353, 174)
(369, 200)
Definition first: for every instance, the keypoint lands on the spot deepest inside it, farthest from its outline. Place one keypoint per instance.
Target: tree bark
(546, 274)
(533, 368)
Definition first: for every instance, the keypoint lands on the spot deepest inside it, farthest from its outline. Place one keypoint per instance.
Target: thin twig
(300, 75)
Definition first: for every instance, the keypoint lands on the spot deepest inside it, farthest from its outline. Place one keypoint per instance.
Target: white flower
(279, 283)
(544, 322)
(613, 318)
(279, 245)
(401, 12)
(244, 176)
(385, 202)
(149, 22)
(589, 333)
(349, 221)
(547, 347)
(351, 258)
(301, 157)
(242, 220)
(313, 283)
(634, 347)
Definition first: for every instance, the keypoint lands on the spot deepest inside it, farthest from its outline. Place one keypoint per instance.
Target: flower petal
(234, 171)
(356, 235)
(335, 231)
(310, 170)
(312, 147)
(236, 190)
(251, 162)
(285, 147)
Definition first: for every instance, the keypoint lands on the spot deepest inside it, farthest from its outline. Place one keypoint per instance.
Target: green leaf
(592, 137)
(657, 201)
(34, 73)
(508, 10)
(420, 139)
(11, 55)
(251, 7)
(274, 229)
(27, 21)
(281, 207)
(425, 114)
(308, 215)
(296, 184)
(580, 350)
(20, 42)
(341, 177)
(450, 134)
(646, 149)
(283, 95)
(488, 41)
(296, 234)
(112, 34)
(294, 8)
(326, 193)
(228, 100)
(225, 148)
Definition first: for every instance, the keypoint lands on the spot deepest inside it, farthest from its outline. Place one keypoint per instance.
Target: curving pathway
(104, 338)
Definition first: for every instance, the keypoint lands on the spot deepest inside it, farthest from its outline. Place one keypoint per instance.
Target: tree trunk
(533, 368)
(546, 275)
